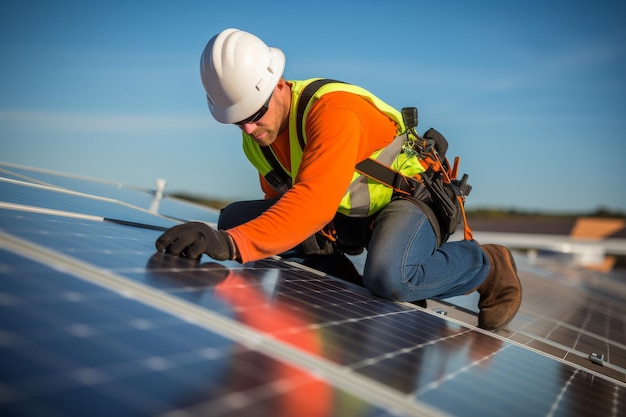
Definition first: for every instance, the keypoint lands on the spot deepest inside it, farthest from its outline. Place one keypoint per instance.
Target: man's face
(266, 129)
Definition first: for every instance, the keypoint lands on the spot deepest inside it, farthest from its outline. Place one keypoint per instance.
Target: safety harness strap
(277, 177)
(385, 175)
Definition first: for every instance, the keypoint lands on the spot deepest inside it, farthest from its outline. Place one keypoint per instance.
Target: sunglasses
(256, 116)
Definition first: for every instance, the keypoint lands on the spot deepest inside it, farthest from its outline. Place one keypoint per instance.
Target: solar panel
(572, 313)
(96, 189)
(93, 321)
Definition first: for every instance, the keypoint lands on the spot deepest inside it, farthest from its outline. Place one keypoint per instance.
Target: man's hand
(193, 239)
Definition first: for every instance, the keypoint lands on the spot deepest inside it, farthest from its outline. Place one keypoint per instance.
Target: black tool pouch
(445, 204)
(440, 202)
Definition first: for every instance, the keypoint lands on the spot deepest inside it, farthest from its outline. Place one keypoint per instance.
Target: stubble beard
(269, 137)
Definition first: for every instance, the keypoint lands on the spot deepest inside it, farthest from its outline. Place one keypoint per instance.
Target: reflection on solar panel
(94, 322)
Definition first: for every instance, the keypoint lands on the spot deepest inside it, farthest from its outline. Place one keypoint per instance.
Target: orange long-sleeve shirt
(342, 129)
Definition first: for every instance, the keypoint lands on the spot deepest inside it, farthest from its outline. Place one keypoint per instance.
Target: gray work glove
(193, 239)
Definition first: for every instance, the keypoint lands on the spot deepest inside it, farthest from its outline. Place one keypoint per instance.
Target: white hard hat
(239, 73)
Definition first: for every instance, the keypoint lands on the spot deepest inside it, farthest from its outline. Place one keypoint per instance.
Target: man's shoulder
(343, 100)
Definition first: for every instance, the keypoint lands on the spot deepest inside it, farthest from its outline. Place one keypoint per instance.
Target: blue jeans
(403, 262)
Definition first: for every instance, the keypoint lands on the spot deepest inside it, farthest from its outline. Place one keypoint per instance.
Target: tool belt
(436, 191)
(439, 201)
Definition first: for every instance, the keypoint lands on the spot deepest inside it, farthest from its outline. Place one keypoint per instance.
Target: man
(306, 155)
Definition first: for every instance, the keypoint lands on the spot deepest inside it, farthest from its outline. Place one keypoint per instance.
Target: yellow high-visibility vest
(364, 196)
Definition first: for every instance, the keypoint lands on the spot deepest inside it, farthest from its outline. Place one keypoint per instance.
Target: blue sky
(530, 94)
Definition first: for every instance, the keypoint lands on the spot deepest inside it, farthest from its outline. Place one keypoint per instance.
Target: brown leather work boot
(501, 292)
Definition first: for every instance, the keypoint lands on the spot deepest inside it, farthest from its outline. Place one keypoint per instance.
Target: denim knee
(385, 283)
